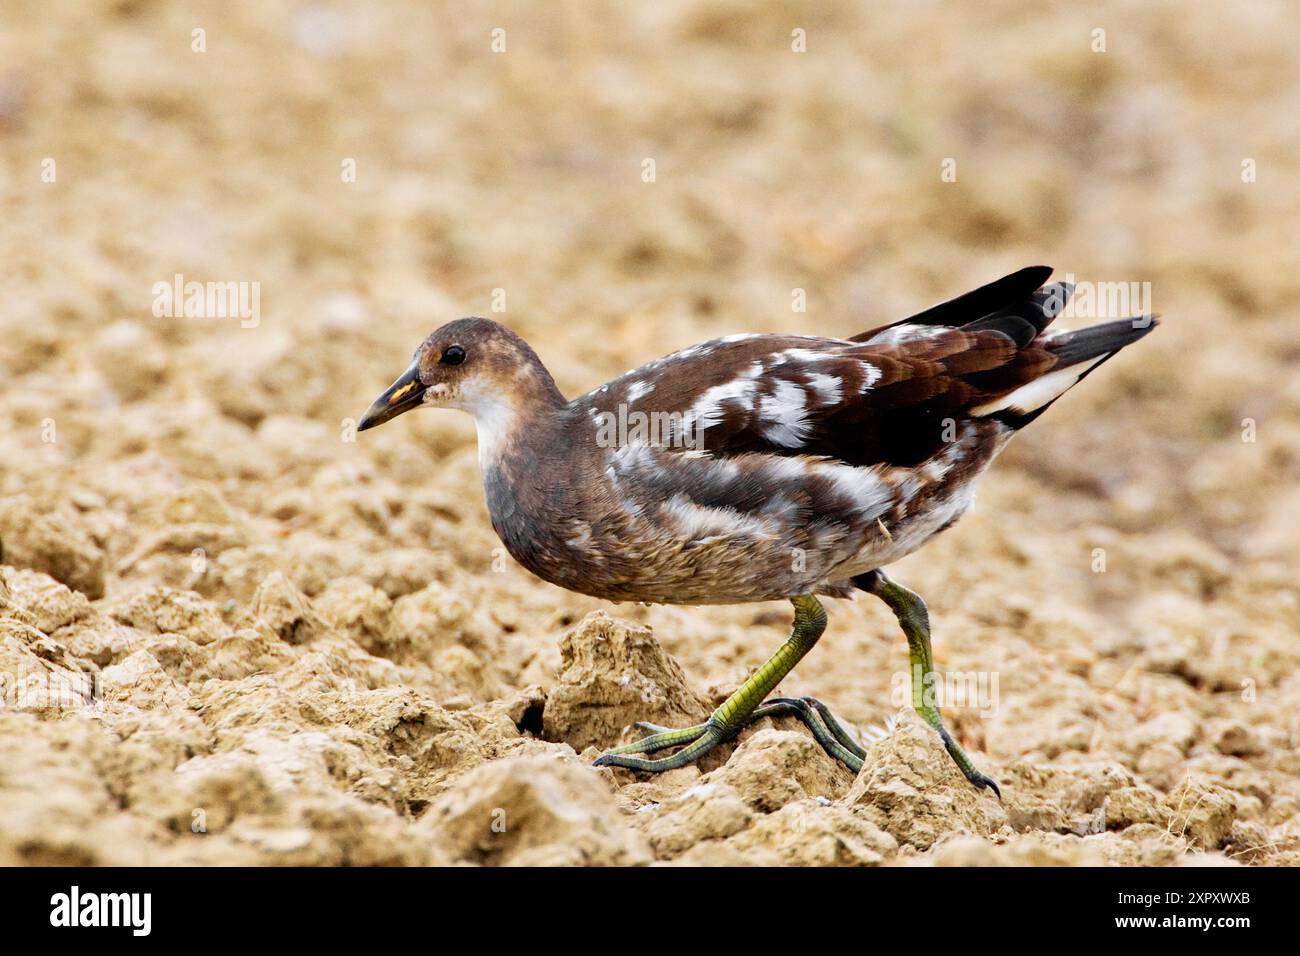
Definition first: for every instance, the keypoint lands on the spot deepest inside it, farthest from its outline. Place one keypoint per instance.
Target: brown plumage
(754, 467)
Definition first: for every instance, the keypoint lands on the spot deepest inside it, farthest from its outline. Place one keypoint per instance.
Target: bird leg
(814, 715)
(817, 717)
(915, 622)
(741, 708)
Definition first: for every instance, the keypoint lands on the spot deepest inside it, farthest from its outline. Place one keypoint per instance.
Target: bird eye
(454, 355)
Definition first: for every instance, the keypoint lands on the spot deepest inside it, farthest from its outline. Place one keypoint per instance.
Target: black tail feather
(1074, 348)
(1006, 292)
(1071, 348)
(1020, 307)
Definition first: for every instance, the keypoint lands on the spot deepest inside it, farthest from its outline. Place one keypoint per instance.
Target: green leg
(840, 734)
(816, 716)
(736, 711)
(915, 621)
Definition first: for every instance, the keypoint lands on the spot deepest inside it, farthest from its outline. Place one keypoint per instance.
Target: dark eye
(454, 355)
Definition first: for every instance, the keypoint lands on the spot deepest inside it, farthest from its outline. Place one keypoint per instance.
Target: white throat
(495, 422)
(495, 418)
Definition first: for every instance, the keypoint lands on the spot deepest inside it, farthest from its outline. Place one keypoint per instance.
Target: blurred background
(616, 181)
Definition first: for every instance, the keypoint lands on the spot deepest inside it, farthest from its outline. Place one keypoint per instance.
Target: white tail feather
(1039, 392)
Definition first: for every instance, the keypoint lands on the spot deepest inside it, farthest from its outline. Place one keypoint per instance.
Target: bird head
(476, 365)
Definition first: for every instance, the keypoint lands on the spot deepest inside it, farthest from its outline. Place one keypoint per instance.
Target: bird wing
(894, 395)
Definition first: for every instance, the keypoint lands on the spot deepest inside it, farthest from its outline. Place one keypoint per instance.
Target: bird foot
(698, 740)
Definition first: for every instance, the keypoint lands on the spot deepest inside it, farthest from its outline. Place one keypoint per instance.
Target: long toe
(810, 715)
(694, 741)
(701, 743)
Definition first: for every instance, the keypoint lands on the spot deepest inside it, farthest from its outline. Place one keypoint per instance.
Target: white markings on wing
(707, 409)
(827, 388)
(800, 355)
(1039, 392)
(907, 333)
(639, 389)
(784, 415)
(870, 375)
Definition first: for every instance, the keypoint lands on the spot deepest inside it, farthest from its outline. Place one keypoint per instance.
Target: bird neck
(512, 409)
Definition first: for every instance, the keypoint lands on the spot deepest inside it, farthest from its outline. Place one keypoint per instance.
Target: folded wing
(894, 395)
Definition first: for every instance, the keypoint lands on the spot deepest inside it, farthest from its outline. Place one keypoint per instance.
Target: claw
(984, 782)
